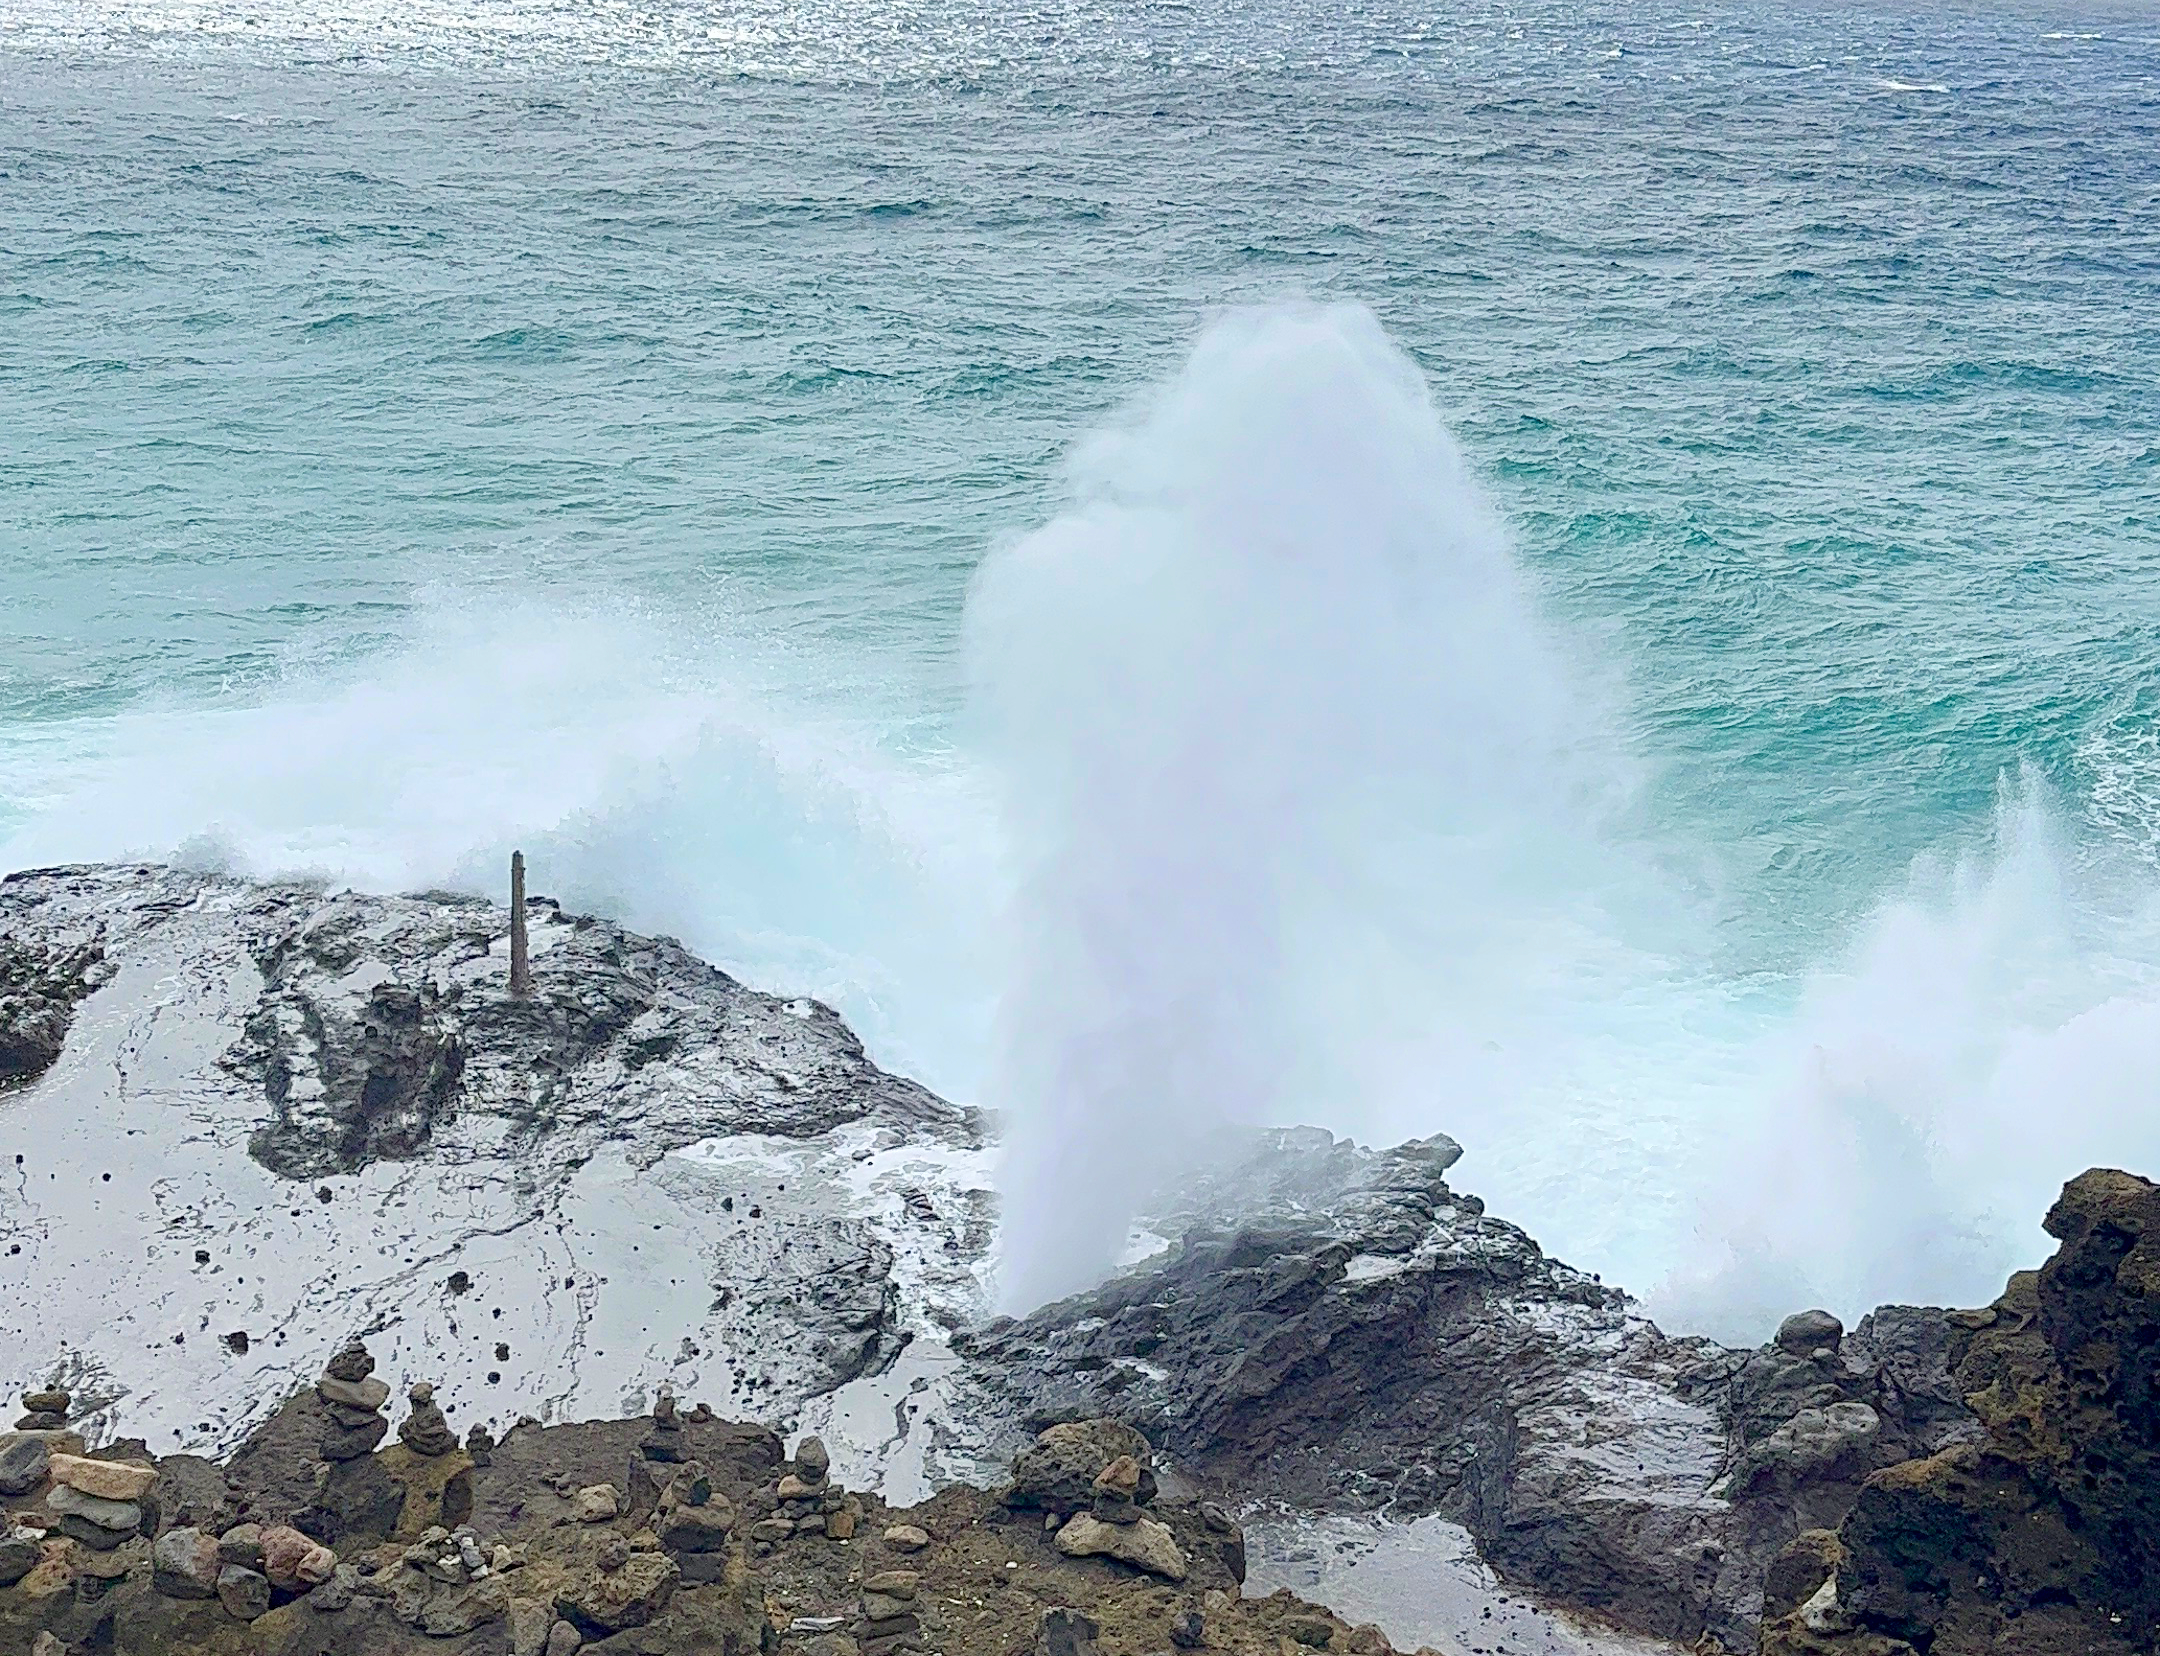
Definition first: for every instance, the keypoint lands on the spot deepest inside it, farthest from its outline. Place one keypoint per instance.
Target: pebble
(907, 1538)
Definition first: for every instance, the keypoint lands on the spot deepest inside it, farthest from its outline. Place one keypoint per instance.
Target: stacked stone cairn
(44, 1411)
(447, 1584)
(354, 1400)
(808, 1503)
(25, 1463)
(693, 1522)
(100, 1503)
(889, 1621)
(424, 1431)
(664, 1443)
(1114, 1527)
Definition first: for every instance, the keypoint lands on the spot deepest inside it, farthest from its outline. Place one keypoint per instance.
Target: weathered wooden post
(520, 966)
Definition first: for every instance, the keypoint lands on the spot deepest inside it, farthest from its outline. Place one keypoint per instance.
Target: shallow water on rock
(1422, 1583)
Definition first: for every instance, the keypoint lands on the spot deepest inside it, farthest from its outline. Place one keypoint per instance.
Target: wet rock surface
(290, 1112)
(1337, 1330)
(43, 975)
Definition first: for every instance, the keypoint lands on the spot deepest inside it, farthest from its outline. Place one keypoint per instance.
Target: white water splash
(1278, 639)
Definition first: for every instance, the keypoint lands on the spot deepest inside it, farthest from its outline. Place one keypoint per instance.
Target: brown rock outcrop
(2042, 1538)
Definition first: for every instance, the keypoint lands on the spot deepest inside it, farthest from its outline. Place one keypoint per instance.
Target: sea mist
(1276, 635)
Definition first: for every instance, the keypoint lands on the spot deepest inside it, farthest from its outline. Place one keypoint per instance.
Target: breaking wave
(1284, 794)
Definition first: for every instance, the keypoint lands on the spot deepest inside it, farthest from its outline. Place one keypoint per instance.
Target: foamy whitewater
(1584, 579)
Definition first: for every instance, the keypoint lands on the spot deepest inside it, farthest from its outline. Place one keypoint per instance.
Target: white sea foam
(661, 772)
(1994, 1031)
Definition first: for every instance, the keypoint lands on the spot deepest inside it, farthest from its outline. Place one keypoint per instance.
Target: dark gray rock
(1336, 1329)
(352, 1365)
(42, 979)
(23, 1461)
(185, 1564)
(191, 1490)
(245, 1593)
(344, 1440)
(1806, 1332)
(20, 1551)
(1066, 1632)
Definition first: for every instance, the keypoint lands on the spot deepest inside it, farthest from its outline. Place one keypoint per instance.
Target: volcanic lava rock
(1057, 1472)
(23, 1464)
(1142, 1543)
(2043, 1537)
(1322, 1294)
(333, 1032)
(42, 978)
(185, 1564)
(608, 1600)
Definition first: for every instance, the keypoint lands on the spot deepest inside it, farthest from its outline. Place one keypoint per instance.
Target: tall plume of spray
(1276, 595)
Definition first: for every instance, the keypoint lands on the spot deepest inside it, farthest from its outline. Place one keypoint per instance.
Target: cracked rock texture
(1337, 1330)
(2042, 1536)
(282, 1115)
(42, 975)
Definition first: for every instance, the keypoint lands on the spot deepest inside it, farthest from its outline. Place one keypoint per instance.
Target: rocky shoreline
(260, 1119)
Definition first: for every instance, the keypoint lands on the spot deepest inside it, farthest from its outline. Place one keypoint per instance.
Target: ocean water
(1582, 576)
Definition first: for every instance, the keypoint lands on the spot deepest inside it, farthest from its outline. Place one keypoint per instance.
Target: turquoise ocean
(1584, 576)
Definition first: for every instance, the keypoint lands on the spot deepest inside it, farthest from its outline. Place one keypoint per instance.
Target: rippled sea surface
(428, 427)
